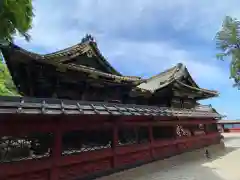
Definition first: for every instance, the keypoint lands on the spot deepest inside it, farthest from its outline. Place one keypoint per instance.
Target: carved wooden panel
(182, 131)
(19, 148)
(80, 141)
(189, 103)
(176, 102)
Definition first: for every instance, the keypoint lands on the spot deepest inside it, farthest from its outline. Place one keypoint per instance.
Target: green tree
(15, 17)
(7, 87)
(228, 42)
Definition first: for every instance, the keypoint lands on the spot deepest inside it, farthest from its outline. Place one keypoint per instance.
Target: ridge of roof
(165, 78)
(170, 71)
(63, 52)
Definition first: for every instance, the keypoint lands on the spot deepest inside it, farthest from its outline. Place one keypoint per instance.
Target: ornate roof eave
(202, 93)
(99, 73)
(102, 59)
(140, 92)
(175, 75)
(89, 47)
(209, 93)
(190, 78)
(171, 73)
(63, 67)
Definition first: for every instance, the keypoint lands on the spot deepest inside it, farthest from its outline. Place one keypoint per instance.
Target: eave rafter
(199, 92)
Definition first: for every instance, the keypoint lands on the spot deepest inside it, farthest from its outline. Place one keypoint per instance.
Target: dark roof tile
(41, 106)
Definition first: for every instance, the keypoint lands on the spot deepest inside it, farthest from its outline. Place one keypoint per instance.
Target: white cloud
(59, 23)
(156, 57)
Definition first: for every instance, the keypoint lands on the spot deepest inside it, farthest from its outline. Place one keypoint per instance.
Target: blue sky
(144, 37)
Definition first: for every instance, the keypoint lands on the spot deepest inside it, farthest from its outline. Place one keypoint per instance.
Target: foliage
(228, 42)
(15, 17)
(7, 87)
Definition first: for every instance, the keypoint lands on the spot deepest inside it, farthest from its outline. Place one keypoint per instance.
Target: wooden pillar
(56, 151)
(151, 140)
(191, 129)
(136, 128)
(205, 128)
(115, 143)
(223, 129)
(30, 80)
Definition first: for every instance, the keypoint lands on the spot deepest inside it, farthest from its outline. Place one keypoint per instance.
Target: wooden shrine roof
(175, 75)
(19, 105)
(87, 46)
(16, 56)
(11, 53)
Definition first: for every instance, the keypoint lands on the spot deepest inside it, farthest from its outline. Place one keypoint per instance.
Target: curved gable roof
(88, 47)
(11, 53)
(173, 75)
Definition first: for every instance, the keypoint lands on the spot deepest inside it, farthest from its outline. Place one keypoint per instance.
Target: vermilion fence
(233, 130)
(57, 161)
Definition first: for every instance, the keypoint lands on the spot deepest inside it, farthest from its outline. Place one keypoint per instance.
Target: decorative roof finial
(88, 38)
